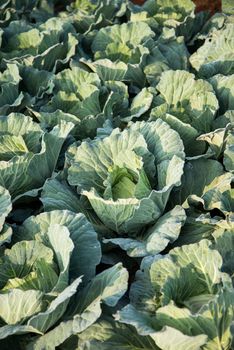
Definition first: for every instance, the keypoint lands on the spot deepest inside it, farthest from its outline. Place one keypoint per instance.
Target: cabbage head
(128, 176)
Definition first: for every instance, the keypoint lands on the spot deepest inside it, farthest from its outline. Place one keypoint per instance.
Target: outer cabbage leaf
(168, 337)
(224, 243)
(223, 86)
(107, 287)
(58, 195)
(5, 207)
(108, 70)
(189, 135)
(42, 82)
(156, 238)
(216, 54)
(223, 120)
(32, 301)
(107, 333)
(221, 145)
(10, 96)
(202, 179)
(169, 52)
(216, 140)
(6, 234)
(229, 152)
(51, 119)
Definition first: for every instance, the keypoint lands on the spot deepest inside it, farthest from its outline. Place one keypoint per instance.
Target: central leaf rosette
(128, 176)
(126, 183)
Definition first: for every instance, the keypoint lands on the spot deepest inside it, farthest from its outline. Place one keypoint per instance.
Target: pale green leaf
(18, 305)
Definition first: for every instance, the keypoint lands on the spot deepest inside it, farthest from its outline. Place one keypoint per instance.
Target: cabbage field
(116, 171)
